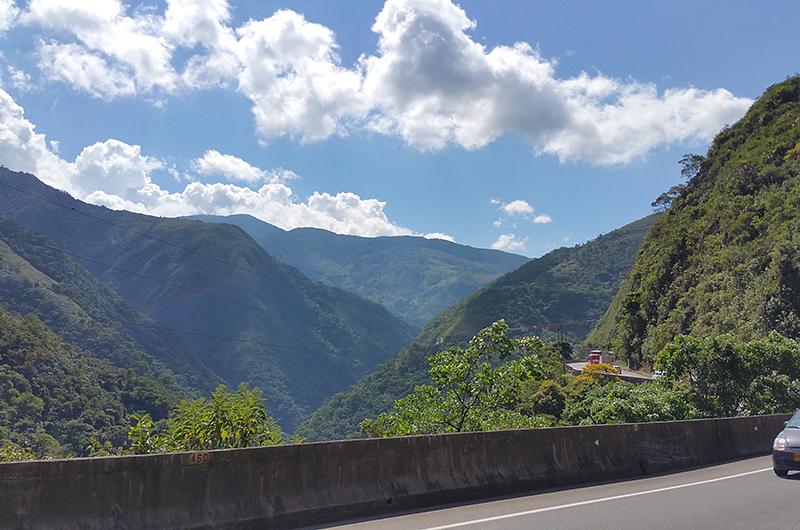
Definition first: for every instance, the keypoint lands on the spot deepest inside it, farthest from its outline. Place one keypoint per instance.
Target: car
(786, 447)
(657, 374)
(618, 368)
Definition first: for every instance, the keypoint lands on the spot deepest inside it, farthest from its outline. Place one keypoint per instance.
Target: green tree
(224, 420)
(473, 388)
(633, 327)
(728, 378)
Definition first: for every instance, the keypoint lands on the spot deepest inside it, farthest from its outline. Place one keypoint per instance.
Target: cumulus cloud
(24, 149)
(439, 235)
(292, 73)
(8, 15)
(510, 243)
(114, 167)
(429, 82)
(520, 209)
(83, 70)
(434, 85)
(20, 80)
(517, 207)
(118, 175)
(214, 163)
(136, 44)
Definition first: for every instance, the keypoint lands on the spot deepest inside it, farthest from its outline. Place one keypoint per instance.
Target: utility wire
(143, 234)
(168, 283)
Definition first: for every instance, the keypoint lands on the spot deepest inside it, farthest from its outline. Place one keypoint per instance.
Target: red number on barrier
(198, 458)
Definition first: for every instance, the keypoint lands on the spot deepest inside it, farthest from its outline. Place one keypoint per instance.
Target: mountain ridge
(725, 256)
(414, 277)
(587, 276)
(297, 339)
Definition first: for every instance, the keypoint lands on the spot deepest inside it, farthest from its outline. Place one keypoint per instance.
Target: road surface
(627, 373)
(739, 495)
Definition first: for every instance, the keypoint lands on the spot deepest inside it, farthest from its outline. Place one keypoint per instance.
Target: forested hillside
(725, 257)
(415, 278)
(36, 278)
(56, 401)
(242, 313)
(566, 290)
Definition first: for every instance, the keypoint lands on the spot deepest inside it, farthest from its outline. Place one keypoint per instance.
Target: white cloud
(292, 73)
(8, 15)
(24, 149)
(429, 82)
(542, 219)
(83, 70)
(136, 45)
(440, 235)
(214, 163)
(434, 85)
(19, 79)
(517, 207)
(115, 168)
(510, 243)
(118, 175)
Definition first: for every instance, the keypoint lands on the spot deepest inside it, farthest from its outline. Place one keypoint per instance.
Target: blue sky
(118, 142)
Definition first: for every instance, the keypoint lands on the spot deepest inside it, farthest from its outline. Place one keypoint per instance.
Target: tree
(665, 200)
(691, 164)
(633, 327)
(224, 420)
(473, 388)
(728, 378)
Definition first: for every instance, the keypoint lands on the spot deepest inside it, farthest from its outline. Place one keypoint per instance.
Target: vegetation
(499, 382)
(35, 278)
(725, 257)
(56, 401)
(225, 420)
(472, 388)
(243, 314)
(415, 278)
(558, 296)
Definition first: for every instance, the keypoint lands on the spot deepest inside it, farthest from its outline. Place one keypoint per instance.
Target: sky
(517, 125)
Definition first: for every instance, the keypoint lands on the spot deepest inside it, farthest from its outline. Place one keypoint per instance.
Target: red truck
(598, 357)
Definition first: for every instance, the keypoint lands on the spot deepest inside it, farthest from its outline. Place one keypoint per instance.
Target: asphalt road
(744, 494)
(628, 373)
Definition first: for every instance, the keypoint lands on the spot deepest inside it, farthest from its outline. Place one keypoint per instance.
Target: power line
(163, 327)
(142, 234)
(170, 284)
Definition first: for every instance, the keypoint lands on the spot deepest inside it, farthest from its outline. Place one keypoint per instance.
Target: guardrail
(294, 485)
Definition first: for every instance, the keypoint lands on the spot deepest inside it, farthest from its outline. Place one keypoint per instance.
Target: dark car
(786, 448)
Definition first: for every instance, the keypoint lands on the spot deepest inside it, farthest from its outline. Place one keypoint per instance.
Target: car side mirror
(786, 423)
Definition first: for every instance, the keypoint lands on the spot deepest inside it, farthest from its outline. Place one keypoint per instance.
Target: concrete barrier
(294, 485)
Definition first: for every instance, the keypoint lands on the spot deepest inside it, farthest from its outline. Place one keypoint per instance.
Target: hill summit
(725, 258)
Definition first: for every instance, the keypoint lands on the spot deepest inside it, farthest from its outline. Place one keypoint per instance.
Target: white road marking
(593, 501)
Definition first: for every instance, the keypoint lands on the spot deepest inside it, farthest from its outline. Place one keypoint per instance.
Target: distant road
(627, 373)
(739, 495)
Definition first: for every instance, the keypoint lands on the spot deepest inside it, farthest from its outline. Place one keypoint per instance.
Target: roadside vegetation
(500, 382)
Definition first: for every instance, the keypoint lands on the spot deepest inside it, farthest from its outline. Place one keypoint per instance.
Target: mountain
(36, 278)
(415, 278)
(563, 292)
(725, 258)
(242, 313)
(56, 400)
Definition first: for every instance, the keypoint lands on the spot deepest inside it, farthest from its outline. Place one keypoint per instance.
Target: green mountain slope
(241, 312)
(55, 399)
(35, 278)
(415, 278)
(725, 258)
(566, 290)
